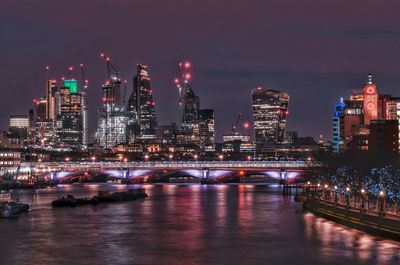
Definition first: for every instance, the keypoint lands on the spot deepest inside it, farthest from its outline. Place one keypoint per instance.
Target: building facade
(270, 110)
(142, 125)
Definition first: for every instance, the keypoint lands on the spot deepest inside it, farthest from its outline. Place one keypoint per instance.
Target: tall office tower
(270, 109)
(337, 122)
(85, 120)
(44, 131)
(70, 118)
(191, 105)
(41, 106)
(370, 101)
(112, 120)
(142, 123)
(51, 91)
(206, 127)
(188, 101)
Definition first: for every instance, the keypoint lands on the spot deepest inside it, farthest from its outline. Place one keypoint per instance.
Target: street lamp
(93, 158)
(67, 159)
(248, 158)
(195, 157)
(146, 158)
(221, 157)
(170, 157)
(381, 196)
(362, 199)
(335, 193)
(347, 196)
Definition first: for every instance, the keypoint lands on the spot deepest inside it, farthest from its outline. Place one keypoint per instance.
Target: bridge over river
(277, 170)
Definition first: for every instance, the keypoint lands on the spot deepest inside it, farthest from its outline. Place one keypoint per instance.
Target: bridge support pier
(286, 190)
(126, 175)
(206, 173)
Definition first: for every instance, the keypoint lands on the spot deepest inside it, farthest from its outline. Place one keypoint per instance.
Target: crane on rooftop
(112, 70)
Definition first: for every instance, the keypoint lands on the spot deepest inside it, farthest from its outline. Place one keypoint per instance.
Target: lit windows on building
(270, 110)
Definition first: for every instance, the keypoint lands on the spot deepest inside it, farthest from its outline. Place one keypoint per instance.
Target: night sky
(314, 50)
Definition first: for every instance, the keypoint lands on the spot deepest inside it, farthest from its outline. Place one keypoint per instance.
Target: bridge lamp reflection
(335, 187)
(381, 193)
(362, 191)
(347, 189)
(326, 186)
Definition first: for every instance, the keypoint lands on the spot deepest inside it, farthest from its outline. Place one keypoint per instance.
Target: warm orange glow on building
(370, 103)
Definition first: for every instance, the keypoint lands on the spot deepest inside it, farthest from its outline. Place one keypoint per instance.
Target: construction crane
(111, 69)
(184, 79)
(47, 72)
(234, 126)
(85, 82)
(69, 72)
(124, 95)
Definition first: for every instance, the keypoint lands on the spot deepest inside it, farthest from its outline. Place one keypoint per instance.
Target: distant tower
(370, 101)
(337, 122)
(51, 90)
(189, 102)
(197, 125)
(141, 107)
(270, 109)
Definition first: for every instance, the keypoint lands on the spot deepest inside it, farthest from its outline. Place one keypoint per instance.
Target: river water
(183, 224)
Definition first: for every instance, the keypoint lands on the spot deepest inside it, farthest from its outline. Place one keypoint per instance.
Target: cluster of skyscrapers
(367, 121)
(133, 124)
(127, 121)
(59, 119)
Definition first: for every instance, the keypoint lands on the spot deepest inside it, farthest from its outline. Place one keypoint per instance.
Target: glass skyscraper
(270, 109)
(142, 123)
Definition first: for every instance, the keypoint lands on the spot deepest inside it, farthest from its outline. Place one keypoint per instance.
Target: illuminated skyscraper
(112, 118)
(270, 109)
(70, 117)
(51, 91)
(142, 115)
(337, 121)
(191, 105)
(370, 101)
(197, 125)
(206, 126)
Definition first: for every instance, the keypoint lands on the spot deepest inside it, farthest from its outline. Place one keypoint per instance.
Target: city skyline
(261, 57)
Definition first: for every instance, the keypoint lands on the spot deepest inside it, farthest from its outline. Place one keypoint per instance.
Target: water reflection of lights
(352, 242)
